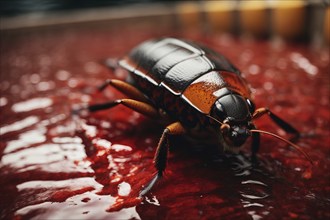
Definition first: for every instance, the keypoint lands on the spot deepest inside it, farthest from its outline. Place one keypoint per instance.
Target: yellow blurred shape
(327, 25)
(254, 17)
(189, 14)
(219, 15)
(288, 18)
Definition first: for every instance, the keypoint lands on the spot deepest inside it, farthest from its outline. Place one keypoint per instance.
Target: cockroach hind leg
(150, 185)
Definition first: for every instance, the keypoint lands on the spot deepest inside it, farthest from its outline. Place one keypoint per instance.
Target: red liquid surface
(55, 166)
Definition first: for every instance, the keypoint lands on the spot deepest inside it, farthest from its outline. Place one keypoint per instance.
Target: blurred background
(52, 59)
(15, 7)
(289, 19)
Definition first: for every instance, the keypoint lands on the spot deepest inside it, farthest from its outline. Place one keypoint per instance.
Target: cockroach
(198, 91)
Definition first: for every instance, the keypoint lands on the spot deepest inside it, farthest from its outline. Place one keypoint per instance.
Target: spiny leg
(160, 158)
(137, 106)
(280, 122)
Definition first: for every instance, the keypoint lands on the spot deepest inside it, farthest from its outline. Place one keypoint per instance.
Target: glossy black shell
(173, 72)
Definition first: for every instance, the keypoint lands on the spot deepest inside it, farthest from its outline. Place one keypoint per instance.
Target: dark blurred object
(16, 7)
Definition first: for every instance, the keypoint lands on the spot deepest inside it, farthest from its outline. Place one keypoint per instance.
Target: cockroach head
(234, 135)
(234, 113)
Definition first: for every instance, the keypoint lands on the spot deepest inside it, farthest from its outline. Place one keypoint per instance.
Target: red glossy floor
(51, 170)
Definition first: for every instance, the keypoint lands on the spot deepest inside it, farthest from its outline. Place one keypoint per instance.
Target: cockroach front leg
(160, 158)
(255, 146)
(280, 122)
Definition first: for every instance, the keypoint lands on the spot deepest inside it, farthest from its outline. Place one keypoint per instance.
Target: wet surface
(55, 166)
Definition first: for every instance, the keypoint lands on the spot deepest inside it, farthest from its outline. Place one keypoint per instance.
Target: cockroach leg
(160, 158)
(280, 122)
(138, 106)
(255, 147)
(255, 144)
(125, 88)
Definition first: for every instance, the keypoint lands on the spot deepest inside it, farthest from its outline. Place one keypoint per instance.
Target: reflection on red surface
(55, 166)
